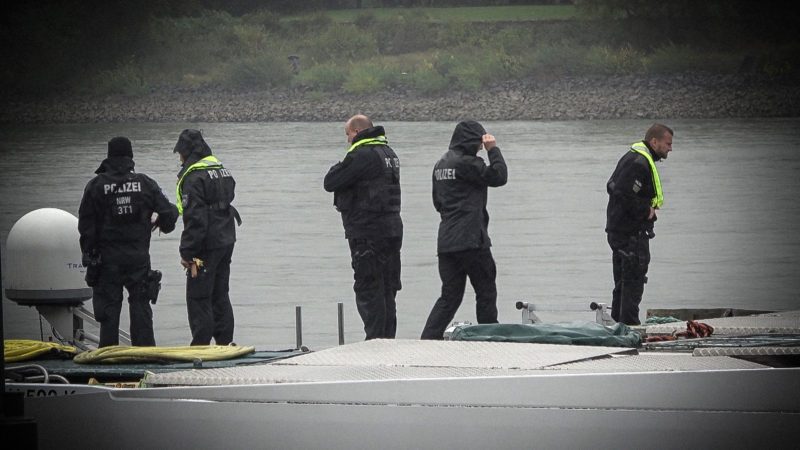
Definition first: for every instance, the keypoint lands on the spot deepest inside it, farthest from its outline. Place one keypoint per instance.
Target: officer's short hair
(657, 130)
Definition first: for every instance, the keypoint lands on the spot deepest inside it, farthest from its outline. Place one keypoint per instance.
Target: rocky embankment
(679, 96)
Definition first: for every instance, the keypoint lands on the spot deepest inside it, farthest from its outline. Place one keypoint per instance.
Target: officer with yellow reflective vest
(634, 195)
(366, 187)
(205, 193)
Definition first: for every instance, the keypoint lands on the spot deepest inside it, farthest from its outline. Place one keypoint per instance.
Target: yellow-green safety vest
(380, 140)
(209, 162)
(641, 148)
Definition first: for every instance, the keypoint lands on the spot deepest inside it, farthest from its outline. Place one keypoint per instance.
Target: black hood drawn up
(467, 137)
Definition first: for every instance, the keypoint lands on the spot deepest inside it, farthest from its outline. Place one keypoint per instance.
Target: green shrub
(323, 77)
(365, 19)
(470, 68)
(513, 40)
(368, 78)
(124, 80)
(316, 95)
(428, 80)
(268, 20)
(464, 77)
(625, 59)
(177, 47)
(555, 60)
(406, 32)
(260, 71)
(253, 39)
(456, 34)
(341, 43)
(300, 29)
(776, 64)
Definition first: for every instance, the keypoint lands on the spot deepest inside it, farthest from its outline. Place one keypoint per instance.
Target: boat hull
(709, 409)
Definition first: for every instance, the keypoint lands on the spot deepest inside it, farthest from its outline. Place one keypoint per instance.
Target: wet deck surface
(409, 359)
(735, 342)
(412, 359)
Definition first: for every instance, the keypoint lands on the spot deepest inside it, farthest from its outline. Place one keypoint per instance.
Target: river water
(727, 235)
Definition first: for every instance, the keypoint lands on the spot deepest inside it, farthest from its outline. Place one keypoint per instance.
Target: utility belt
(148, 289)
(225, 206)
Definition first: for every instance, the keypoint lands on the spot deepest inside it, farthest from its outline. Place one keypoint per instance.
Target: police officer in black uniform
(634, 195)
(460, 188)
(205, 193)
(366, 187)
(115, 220)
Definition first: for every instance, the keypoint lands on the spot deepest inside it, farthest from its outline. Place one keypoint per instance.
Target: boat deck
(413, 359)
(385, 359)
(439, 394)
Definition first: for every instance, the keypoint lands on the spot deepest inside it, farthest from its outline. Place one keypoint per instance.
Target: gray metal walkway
(384, 359)
(389, 359)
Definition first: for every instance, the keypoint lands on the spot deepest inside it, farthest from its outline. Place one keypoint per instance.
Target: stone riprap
(679, 96)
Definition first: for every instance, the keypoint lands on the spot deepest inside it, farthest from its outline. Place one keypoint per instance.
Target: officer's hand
(488, 141)
(652, 213)
(191, 266)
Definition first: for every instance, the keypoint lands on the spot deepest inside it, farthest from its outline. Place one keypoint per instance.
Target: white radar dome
(43, 260)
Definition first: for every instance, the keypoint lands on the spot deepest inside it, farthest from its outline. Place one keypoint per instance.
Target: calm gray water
(727, 235)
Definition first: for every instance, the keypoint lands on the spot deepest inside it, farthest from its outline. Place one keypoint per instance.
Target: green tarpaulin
(574, 333)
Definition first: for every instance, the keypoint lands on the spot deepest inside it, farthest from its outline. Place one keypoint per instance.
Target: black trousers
(454, 268)
(107, 303)
(376, 275)
(630, 259)
(207, 299)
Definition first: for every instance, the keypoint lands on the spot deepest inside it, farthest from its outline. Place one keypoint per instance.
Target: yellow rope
(23, 349)
(121, 354)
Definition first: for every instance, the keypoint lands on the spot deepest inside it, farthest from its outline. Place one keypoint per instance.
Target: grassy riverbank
(427, 51)
(463, 14)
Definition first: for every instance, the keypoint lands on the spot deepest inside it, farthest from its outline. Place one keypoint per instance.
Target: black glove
(153, 285)
(91, 261)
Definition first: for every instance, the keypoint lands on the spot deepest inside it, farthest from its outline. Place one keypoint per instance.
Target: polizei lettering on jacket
(444, 174)
(392, 162)
(218, 173)
(128, 186)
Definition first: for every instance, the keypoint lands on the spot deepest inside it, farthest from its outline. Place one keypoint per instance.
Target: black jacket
(114, 218)
(366, 187)
(460, 187)
(630, 194)
(208, 216)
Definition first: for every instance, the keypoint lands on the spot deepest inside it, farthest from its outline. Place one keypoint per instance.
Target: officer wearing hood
(205, 193)
(115, 221)
(460, 187)
(366, 187)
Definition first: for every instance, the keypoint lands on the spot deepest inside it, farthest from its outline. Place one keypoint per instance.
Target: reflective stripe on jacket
(209, 162)
(642, 149)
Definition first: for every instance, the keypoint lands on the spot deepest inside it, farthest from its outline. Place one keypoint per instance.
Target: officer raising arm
(460, 189)
(115, 221)
(366, 191)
